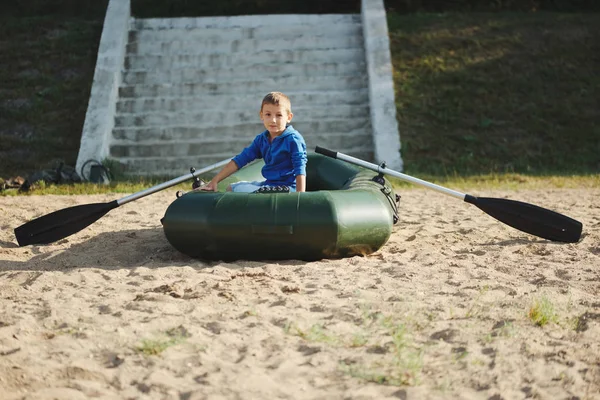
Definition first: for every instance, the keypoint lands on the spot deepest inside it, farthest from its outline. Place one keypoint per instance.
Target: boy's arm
(250, 153)
(300, 183)
(227, 170)
(299, 159)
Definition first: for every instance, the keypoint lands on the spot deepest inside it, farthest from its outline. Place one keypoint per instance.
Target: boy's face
(275, 118)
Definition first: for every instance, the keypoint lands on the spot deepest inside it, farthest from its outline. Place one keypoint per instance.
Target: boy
(281, 146)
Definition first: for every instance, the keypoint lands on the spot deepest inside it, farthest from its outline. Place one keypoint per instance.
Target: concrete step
(260, 71)
(243, 21)
(228, 60)
(219, 117)
(177, 149)
(209, 46)
(127, 135)
(243, 101)
(286, 85)
(232, 146)
(170, 167)
(263, 32)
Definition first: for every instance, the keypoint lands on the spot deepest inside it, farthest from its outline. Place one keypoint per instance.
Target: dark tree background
(175, 8)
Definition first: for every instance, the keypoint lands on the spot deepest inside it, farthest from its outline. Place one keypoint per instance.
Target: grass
(484, 93)
(398, 362)
(153, 347)
(542, 312)
(90, 188)
(486, 100)
(508, 181)
(475, 307)
(316, 333)
(466, 183)
(46, 69)
(404, 366)
(171, 337)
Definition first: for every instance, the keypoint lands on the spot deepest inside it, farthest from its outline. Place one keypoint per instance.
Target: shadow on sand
(115, 250)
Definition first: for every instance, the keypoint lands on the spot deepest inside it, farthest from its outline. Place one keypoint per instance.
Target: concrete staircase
(192, 88)
(188, 90)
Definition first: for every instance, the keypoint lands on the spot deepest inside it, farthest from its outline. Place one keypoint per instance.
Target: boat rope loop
(393, 199)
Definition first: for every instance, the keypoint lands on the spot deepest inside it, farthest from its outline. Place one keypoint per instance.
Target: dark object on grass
(98, 172)
(63, 174)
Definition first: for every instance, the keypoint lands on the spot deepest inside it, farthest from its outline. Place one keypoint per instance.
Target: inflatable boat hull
(344, 213)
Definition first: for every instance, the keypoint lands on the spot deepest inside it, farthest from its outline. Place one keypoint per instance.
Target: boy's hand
(227, 170)
(300, 183)
(209, 187)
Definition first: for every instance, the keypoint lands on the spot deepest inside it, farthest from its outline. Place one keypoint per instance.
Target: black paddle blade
(62, 223)
(528, 218)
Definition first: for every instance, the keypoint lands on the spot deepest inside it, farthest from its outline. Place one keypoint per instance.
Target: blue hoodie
(285, 157)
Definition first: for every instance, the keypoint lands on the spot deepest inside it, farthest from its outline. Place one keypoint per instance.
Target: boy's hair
(278, 99)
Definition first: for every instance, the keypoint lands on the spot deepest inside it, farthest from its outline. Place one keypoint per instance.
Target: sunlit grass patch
(316, 333)
(542, 312)
(509, 181)
(401, 367)
(87, 188)
(381, 351)
(155, 346)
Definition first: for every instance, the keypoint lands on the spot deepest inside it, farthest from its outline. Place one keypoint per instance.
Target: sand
(442, 311)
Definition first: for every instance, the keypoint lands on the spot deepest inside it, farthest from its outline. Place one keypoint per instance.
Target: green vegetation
(171, 337)
(542, 312)
(466, 183)
(153, 347)
(496, 93)
(316, 333)
(509, 181)
(46, 70)
(401, 367)
(395, 359)
(91, 188)
(476, 307)
(495, 100)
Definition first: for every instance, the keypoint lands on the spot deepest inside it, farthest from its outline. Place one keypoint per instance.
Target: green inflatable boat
(346, 211)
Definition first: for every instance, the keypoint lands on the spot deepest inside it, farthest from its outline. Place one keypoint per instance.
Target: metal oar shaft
(172, 182)
(375, 167)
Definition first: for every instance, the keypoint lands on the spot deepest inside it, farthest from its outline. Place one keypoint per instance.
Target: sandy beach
(442, 311)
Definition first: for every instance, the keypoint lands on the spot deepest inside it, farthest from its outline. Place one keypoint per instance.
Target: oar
(62, 223)
(525, 217)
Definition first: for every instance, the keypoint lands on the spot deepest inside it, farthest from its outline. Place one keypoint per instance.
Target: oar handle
(377, 168)
(326, 152)
(172, 182)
